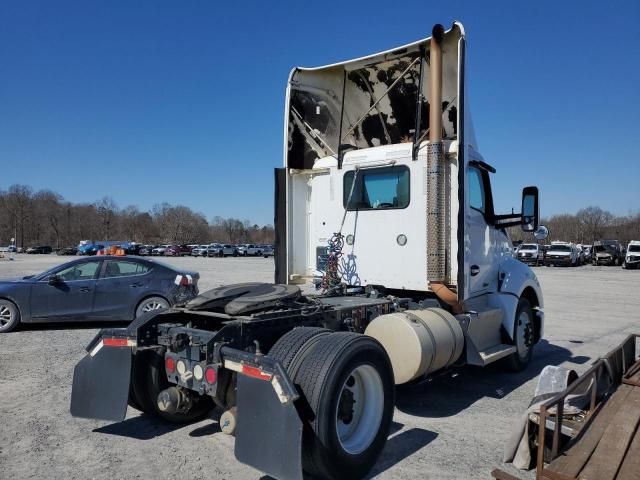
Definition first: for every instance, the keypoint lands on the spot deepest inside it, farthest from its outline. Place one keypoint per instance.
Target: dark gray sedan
(94, 289)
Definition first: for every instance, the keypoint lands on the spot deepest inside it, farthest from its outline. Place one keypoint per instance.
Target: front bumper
(558, 261)
(632, 262)
(604, 261)
(529, 260)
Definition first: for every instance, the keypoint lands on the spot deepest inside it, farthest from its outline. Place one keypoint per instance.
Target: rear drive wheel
(9, 316)
(150, 304)
(523, 337)
(348, 385)
(148, 379)
(295, 344)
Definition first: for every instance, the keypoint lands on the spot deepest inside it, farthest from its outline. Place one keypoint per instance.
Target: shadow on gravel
(143, 427)
(26, 327)
(400, 446)
(209, 429)
(450, 393)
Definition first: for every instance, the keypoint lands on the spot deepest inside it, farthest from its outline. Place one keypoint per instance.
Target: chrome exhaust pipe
(437, 271)
(436, 211)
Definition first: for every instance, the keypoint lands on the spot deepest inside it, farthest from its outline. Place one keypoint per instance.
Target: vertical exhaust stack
(437, 274)
(436, 221)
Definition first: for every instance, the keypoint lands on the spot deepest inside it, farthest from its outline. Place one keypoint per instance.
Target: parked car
(132, 248)
(146, 250)
(607, 252)
(98, 289)
(587, 249)
(42, 249)
(90, 249)
(632, 257)
(249, 249)
(67, 251)
(178, 250)
(160, 250)
(530, 253)
(199, 251)
(227, 250)
(562, 254)
(267, 251)
(12, 249)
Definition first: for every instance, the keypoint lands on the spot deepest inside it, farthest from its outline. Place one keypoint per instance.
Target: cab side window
(477, 199)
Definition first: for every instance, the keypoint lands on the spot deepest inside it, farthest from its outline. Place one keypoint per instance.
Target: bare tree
(594, 219)
(106, 209)
(18, 202)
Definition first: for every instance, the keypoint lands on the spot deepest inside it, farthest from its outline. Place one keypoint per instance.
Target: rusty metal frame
(594, 406)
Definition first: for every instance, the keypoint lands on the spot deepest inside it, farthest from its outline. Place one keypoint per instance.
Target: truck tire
(348, 388)
(296, 343)
(523, 337)
(148, 379)
(9, 316)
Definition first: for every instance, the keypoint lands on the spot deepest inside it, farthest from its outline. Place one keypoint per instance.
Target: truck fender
(515, 280)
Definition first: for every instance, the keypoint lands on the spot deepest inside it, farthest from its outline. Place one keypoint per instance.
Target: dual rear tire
(348, 398)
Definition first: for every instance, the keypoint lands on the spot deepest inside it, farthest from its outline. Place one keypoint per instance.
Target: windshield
(528, 247)
(560, 248)
(634, 248)
(602, 248)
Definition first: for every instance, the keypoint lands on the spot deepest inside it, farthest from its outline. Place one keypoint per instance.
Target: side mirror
(541, 233)
(530, 213)
(54, 280)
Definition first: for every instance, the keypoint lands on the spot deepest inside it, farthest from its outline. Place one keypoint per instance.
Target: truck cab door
(480, 235)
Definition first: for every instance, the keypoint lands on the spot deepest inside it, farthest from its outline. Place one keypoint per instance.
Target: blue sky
(183, 101)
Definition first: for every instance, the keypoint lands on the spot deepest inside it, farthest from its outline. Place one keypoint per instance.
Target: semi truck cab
(381, 160)
(385, 195)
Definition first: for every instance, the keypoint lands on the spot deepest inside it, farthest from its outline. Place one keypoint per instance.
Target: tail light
(210, 375)
(170, 364)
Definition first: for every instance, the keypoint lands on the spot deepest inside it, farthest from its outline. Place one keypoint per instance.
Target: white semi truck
(385, 196)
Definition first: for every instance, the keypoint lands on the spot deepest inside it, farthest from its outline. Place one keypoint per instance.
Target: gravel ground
(453, 427)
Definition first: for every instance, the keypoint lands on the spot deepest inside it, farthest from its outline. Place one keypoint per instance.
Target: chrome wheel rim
(523, 330)
(360, 408)
(6, 314)
(153, 305)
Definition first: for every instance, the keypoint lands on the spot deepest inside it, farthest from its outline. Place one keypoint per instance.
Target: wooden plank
(610, 452)
(633, 375)
(571, 462)
(635, 368)
(502, 475)
(630, 468)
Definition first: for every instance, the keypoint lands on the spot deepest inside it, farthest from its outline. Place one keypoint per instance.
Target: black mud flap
(101, 384)
(269, 433)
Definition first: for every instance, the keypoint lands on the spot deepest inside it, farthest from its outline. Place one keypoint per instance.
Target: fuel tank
(418, 342)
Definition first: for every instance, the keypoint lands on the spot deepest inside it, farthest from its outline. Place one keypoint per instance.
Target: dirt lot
(452, 427)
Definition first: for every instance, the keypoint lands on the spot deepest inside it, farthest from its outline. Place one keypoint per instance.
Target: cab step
(496, 352)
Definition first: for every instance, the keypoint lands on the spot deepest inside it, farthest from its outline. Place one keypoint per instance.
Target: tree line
(44, 217)
(586, 226)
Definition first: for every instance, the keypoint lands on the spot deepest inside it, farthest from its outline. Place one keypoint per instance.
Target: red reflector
(170, 364)
(115, 342)
(254, 372)
(210, 375)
